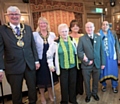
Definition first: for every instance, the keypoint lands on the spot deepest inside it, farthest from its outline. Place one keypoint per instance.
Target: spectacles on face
(14, 14)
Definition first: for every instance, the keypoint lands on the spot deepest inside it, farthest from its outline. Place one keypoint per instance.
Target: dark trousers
(87, 73)
(79, 82)
(16, 81)
(68, 85)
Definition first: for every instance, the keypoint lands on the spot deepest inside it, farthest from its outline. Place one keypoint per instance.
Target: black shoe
(96, 97)
(115, 90)
(87, 99)
(103, 88)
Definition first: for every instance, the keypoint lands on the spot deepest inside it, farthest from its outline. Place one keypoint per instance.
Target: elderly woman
(74, 29)
(65, 64)
(43, 38)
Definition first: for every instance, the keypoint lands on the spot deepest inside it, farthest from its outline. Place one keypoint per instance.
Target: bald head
(105, 26)
(89, 23)
(89, 27)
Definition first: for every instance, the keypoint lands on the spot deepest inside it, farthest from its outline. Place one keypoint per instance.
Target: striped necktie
(17, 31)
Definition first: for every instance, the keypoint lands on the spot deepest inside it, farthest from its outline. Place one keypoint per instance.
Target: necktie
(91, 36)
(17, 31)
(91, 39)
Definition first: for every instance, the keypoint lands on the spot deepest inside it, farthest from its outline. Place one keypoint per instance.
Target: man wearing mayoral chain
(18, 56)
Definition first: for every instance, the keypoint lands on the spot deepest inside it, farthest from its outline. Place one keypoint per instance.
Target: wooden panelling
(26, 15)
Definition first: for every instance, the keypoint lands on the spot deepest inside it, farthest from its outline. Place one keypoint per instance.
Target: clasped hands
(86, 60)
(91, 61)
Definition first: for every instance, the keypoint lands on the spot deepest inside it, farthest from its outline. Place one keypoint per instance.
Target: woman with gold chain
(65, 64)
(43, 38)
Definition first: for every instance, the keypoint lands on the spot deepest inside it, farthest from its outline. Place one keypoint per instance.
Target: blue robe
(111, 67)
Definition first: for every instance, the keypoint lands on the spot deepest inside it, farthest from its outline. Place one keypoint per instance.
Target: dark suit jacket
(93, 52)
(15, 57)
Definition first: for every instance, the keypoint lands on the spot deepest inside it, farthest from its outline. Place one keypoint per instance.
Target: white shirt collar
(13, 26)
(90, 35)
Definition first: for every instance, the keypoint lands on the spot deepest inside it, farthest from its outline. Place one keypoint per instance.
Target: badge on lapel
(95, 40)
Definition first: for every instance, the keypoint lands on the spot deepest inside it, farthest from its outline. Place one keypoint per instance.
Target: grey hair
(13, 9)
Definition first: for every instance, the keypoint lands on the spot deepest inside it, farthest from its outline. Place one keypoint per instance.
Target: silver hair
(13, 9)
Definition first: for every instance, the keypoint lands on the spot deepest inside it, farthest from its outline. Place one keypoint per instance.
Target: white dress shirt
(90, 35)
(14, 27)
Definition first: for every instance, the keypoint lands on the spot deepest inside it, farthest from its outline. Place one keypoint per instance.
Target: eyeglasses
(14, 14)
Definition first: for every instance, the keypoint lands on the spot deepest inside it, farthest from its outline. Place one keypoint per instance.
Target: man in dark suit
(91, 54)
(20, 56)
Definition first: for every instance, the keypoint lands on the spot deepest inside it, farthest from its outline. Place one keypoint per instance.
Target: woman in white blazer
(43, 38)
(65, 52)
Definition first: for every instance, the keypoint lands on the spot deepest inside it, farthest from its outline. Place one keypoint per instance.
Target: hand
(37, 66)
(118, 61)
(56, 38)
(1, 76)
(103, 66)
(98, 34)
(91, 62)
(52, 69)
(85, 58)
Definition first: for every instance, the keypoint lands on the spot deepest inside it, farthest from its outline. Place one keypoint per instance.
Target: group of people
(74, 57)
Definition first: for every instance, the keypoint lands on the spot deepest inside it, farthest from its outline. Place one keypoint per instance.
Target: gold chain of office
(44, 37)
(20, 42)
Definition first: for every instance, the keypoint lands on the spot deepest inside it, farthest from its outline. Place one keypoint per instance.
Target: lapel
(95, 41)
(25, 35)
(88, 41)
(10, 34)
